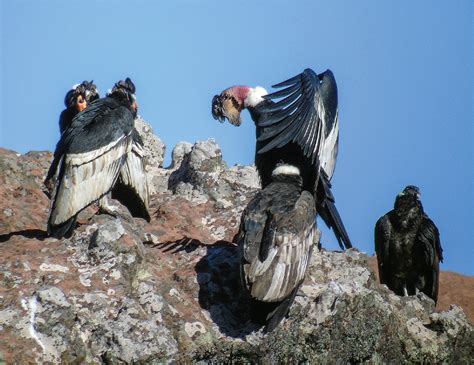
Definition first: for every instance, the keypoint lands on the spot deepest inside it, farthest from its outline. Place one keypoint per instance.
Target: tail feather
(62, 230)
(326, 208)
(280, 311)
(271, 314)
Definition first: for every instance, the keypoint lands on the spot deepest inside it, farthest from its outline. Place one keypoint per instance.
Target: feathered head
(411, 194)
(80, 95)
(125, 90)
(412, 190)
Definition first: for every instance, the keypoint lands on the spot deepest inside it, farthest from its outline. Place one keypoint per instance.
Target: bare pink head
(233, 100)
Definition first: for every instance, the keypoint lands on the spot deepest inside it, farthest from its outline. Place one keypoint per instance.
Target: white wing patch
(86, 178)
(284, 268)
(330, 148)
(133, 173)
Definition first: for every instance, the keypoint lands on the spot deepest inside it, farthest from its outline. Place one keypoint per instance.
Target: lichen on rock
(123, 290)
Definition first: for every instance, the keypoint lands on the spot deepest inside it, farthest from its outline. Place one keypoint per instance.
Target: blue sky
(404, 71)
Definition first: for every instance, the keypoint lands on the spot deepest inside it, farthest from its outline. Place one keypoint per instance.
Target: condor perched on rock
(300, 129)
(408, 247)
(276, 237)
(76, 100)
(95, 151)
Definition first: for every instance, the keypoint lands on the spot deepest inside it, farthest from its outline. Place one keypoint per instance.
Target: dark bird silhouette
(297, 125)
(408, 247)
(95, 151)
(276, 237)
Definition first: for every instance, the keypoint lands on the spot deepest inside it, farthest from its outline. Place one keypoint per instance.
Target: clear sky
(404, 71)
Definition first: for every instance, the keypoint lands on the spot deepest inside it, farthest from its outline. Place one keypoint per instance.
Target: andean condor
(300, 129)
(76, 100)
(408, 247)
(276, 237)
(96, 150)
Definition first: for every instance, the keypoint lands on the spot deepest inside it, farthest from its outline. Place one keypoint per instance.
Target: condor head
(230, 103)
(227, 106)
(125, 90)
(81, 95)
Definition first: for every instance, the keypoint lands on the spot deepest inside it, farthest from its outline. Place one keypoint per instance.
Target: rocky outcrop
(154, 147)
(154, 152)
(122, 290)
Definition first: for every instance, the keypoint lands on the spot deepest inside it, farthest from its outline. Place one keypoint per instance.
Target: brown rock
(128, 291)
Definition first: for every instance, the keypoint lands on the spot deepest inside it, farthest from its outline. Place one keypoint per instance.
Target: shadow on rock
(219, 290)
(27, 233)
(185, 244)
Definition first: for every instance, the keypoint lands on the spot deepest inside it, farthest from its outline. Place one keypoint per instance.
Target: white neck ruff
(255, 96)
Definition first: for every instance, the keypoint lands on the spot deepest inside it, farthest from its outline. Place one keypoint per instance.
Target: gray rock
(181, 150)
(206, 176)
(155, 154)
(125, 291)
(154, 147)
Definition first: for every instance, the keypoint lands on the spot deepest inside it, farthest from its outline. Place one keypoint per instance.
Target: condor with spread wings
(297, 125)
(94, 150)
(276, 237)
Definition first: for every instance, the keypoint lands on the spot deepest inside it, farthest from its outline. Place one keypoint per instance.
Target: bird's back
(276, 233)
(102, 123)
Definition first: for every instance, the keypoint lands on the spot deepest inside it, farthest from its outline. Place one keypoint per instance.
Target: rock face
(154, 146)
(155, 153)
(121, 290)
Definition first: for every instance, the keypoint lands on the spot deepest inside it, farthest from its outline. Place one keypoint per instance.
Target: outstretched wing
(275, 244)
(428, 254)
(93, 151)
(298, 117)
(132, 187)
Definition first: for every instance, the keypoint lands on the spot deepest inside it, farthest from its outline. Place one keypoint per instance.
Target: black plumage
(93, 152)
(297, 125)
(76, 100)
(408, 247)
(275, 240)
